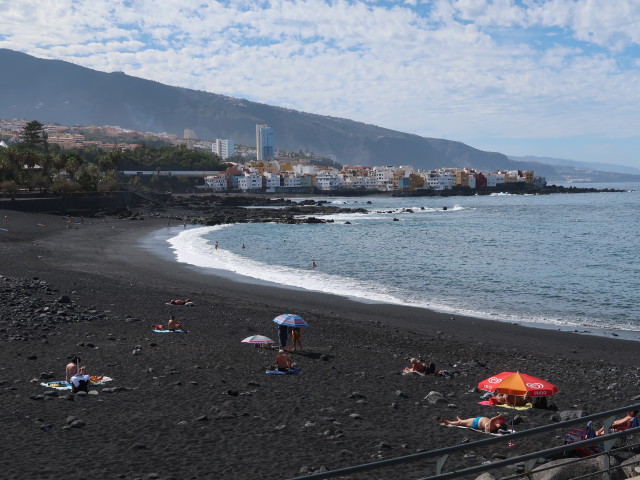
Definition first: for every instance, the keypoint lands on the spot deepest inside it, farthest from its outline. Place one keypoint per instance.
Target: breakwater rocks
(511, 188)
(218, 210)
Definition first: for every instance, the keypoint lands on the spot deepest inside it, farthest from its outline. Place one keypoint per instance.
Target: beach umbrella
(290, 320)
(257, 339)
(515, 383)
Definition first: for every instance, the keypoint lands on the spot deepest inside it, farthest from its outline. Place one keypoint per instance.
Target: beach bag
(80, 383)
(431, 369)
(539, 402)
(158, 327)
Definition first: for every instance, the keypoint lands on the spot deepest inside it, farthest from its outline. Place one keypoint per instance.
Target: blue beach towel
(293, 371)
(170, 331)
(60, 385)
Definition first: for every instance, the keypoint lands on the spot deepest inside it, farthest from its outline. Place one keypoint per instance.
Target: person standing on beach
(296, 334)
(283, 335)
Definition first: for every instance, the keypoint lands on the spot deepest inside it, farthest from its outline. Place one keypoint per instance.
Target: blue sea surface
(559, 260)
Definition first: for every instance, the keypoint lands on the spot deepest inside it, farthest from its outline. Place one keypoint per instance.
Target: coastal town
(265, 169)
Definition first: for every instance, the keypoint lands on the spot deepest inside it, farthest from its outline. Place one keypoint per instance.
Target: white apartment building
(361, 182)
(250, 181)
(216, 183)
(329, 181)
(272, 181)
(300, 169)
(224, 148)
(292, 181)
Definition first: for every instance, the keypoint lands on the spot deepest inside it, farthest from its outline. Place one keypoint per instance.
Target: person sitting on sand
(283, 361)
(484, 424)
(620, 424)
(80, 381)
(172, 324)
(510, 400)
(73, 367)
(418, 366)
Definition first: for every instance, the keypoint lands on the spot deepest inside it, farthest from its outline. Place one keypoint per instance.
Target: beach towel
(293, 371)
(188, 304)
(169, 331)
(408, 371)
(62, 385)
(523, 407)
(59, 385)
(499, 433)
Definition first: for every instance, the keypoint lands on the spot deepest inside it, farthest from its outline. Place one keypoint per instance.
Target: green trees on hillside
(33, 164)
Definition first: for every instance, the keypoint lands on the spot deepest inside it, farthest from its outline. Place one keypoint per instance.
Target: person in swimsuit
(296, 334)
(621, 423)
(484, 424)
(283, 361)
(172, 324)
(417, 366)
(73, 367)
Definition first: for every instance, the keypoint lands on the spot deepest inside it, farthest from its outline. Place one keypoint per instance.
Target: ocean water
(567, 261)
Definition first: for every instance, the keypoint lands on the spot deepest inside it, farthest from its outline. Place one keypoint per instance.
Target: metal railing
(441, 455)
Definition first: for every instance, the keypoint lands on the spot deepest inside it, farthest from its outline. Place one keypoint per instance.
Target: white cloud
(452, 68)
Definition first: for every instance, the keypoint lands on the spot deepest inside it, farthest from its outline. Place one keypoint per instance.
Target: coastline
(204, 391)
(156, 242)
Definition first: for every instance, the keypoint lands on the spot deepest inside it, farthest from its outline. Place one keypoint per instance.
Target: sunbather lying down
(485, 424)
(181, 302)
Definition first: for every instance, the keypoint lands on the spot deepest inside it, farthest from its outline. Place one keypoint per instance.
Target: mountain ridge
(55, 91)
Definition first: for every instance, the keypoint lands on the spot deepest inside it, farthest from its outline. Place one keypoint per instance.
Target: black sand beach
(199, 405)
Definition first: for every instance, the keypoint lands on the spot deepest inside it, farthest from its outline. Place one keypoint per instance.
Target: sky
(553, 78)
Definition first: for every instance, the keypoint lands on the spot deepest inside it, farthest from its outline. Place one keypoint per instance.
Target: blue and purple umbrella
(290, 320)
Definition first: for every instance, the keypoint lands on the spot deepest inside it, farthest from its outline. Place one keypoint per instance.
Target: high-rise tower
(264, 143)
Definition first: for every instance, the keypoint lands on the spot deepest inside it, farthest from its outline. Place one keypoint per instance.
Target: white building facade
(224, 148)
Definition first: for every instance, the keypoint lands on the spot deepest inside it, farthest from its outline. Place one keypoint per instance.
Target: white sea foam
(191, 247)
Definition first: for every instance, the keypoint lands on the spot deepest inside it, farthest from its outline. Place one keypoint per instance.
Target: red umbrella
(511, 383)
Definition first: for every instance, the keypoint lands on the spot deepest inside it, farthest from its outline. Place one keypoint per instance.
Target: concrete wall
(71, 203)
